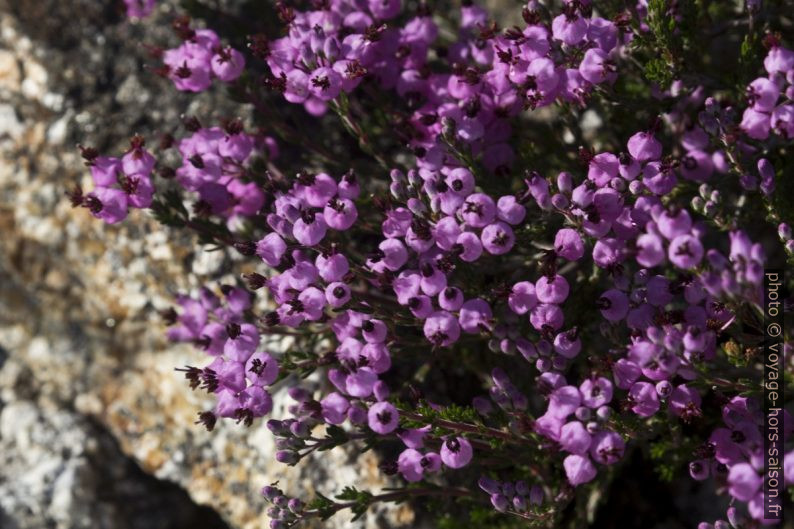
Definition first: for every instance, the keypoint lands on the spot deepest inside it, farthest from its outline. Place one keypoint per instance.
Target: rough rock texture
(96, 429)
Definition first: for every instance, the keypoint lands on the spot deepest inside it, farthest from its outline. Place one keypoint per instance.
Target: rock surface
(96, 429)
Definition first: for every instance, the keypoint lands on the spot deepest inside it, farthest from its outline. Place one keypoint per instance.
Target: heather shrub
(520, 254)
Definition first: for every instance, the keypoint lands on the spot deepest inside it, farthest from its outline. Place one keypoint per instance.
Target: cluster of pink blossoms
(199, 59)
(119, 184)
(671, 292)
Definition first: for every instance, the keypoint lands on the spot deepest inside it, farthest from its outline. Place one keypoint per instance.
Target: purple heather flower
(510, 210)
(446, 233)
(552, 290)
(596, 66)
(685, 251)
(522, 297)
(564, 401)
(337, 294)
(568, 244)
(360, 383)
(685, 402)
(433, 280)
(109, 205)
(596, 392)
(421, 306)
(497, 238)
(475, 316)
(578, 469)
(607, 447)
(650, 250)
(271, 249)
(478, 210)
(567, 344)
(569, 28)
(334, 408)
(644, 147)
(450, 299)
(242, 342)
(310, 228)
(470, 246)
(261, 369)
(377, 356)
(744, 481)
(574, 438)
(442, 328)
(456, 452)
(227, 64)
(383, 417)
(340, 213)
(546, 314)
(756, 124)
(613, 304)
(644, 400)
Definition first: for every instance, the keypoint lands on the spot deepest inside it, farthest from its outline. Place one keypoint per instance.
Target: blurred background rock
(96, 428)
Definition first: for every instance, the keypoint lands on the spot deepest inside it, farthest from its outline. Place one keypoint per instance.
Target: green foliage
(361, 500)
(169, 210)
(325, 507)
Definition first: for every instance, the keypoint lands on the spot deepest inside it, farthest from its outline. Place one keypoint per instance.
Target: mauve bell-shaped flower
(261, 369)
(510, 210)
(337, 294)
(409, 465)
(383, 417)
(478, 210)
(564, 401)
(756, 124)
(450, 299)
(109, 205)
(227, 64)
(456, 452)
(625, 373)
(256, 400)
(644, 147)
(230, 374)
(744, 481)
(271, 248)
(242, 342)
(607, 447)
(310, 228)
(685, 251)
(340, 214)
(596, 67)
(522, 297)
(360, 382)
(596, 392)
(446, 232)
(433, 280)
(227, 403)
(442, 328)
(574, 438)
(552, 290)
(373, 330)
(578, 469)
(334, 408)
(105, 171)
(569, 28)
(546, 314)
(567, 344)
(470, 246)
(497, 238)
(568, 244)
(475, 316)
(333, 267)
(645, 401)
(613, 304)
